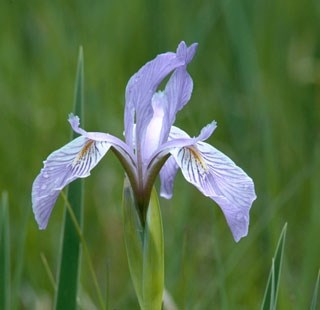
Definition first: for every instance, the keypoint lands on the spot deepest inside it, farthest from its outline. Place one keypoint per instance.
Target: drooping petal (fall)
(116, 143)
(74, 160)
(217, 177)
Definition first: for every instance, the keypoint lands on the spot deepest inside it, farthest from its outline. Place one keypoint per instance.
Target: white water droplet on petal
(46, 175)
(43, 186)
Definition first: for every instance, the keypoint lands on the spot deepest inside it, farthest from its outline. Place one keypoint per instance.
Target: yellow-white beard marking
(192, 162)
(85, 157)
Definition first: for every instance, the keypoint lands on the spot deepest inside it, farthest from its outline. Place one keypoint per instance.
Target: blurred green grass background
(256, 72)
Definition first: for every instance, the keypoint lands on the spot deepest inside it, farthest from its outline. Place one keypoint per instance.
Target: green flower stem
(145, 252)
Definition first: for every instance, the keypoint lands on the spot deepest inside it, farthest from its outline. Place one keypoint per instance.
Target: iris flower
(153, 146)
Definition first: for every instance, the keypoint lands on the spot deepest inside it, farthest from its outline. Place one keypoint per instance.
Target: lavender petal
(74, 160)
(167, 176)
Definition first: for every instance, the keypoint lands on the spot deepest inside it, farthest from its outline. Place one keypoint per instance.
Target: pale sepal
(74, 160)
(216, 176)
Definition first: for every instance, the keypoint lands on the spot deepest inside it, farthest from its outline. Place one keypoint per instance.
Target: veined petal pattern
(219, 178)
(74, 160)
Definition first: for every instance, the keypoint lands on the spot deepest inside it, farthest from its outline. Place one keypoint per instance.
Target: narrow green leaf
(84, 248)
(271, 292)
(48, 271)
(107, 302)
(153, 256)
(133, 233)
(4, 254)
(16, 275)
(68, 273)
(314, 302)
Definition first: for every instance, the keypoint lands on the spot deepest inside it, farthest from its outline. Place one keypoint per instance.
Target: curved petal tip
(185, 52)
(74, 121)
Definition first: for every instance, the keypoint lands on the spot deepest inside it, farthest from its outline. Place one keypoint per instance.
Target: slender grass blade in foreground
(315, 294)
(4, 254)
(48, 271)
(19, 263)
(68, 274)
(271, 292)
(84, 248)
(144, 249)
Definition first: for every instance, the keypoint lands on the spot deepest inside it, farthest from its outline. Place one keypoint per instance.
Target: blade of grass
(4, 254)
(84, 247)
(271, 292)
(68, 273)
(48, 271)
(314, 301)
(107, 302)
(20, 259)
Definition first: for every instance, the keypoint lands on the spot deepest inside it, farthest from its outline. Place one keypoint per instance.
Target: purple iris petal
(178, 91)
(74, 121)
(153, 136)
(217, 177)
(42, 206)
(142, 86)
(207, 131)
(72, 161)
(185, 52)
(140, 90)
(231, 188)
(167, 175)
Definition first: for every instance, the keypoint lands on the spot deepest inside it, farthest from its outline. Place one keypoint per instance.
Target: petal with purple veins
(219, 178)
(140, 89)
(72, 161)
(215, 175)
(143, 84)
(178, 92)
